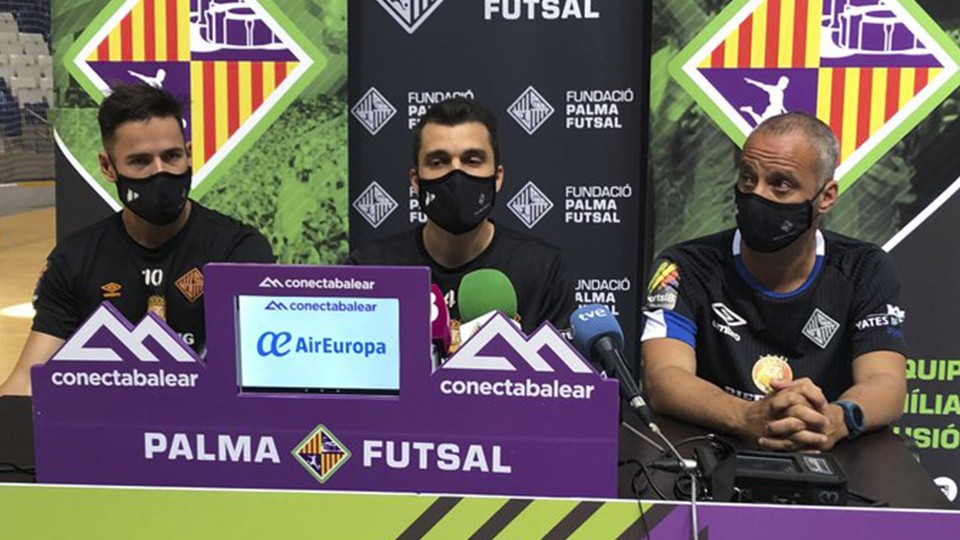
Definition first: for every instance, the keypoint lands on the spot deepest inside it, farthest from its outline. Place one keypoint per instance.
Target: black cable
(637, 493)
(14, 468)
(648, 473)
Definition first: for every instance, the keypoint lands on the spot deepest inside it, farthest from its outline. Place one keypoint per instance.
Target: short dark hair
(453, 112)
(136, 103)
(819, 134)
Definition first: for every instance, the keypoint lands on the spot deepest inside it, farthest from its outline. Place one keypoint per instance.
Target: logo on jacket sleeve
(321, 453)
(662, 289)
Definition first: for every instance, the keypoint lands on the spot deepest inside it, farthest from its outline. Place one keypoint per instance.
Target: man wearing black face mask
(776, 331)
(148, 257)
(456, 175)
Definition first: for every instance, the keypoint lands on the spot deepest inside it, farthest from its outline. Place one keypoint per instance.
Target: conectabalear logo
(499, 361)
(105, 319)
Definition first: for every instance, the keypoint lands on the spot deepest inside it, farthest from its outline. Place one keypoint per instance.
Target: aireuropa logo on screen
(499, 361)
(317, 283)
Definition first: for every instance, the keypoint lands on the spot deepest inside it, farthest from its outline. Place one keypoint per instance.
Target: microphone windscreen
(590, 323)
(486, 290)
(439, 318)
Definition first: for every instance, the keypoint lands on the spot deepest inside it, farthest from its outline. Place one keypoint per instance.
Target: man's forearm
(881, 398)
(17, 384)
(683, 395)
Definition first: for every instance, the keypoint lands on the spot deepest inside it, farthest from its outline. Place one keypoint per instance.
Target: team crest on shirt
(111, 290)
(820, 328)
(191, 284)
(769, 368)
(662, 290)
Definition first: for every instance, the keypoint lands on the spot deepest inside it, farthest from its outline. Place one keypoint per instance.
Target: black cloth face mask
(158, 198)
(457, 202)
(768, 226)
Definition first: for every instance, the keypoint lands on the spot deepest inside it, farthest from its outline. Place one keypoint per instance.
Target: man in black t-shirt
(457, 174)
(786, 335)
(148, 257)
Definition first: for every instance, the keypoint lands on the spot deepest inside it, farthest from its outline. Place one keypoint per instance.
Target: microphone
(481, 294)
(440, 337)
(597, 335)
(486, 290)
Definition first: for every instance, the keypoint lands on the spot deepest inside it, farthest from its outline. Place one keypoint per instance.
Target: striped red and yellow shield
(224, 84)
(864, 67)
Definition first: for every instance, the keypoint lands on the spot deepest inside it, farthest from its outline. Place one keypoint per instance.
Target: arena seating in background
(26, 91)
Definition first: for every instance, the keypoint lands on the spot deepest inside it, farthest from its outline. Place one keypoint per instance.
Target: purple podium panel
(321, 378)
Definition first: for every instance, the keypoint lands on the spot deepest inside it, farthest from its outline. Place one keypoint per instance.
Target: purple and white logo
(81, 347)
(499, 361)
(525, 350)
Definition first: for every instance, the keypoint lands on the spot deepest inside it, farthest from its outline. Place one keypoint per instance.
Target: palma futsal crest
(870, 69)
(234, 63)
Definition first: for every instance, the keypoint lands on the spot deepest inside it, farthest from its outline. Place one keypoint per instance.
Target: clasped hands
(794, 417)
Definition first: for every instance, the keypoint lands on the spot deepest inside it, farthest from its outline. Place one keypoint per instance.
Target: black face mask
(457, 202)
(768, 226)
(158, 198)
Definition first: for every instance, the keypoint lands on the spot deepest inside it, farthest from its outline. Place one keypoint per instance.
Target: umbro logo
(526, 349)
(531, 110)
(270, 283)
(410, 14)
(106, 318)
(727, 315)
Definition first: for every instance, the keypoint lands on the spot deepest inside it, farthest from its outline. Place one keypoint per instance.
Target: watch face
(857, 414)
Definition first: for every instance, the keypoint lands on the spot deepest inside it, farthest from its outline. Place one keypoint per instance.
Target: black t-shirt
(537, 270)
(700, 292)
(102, 262)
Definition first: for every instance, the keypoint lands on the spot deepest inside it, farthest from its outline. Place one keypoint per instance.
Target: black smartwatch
(852, 417)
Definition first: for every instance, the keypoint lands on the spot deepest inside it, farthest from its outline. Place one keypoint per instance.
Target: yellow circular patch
(769, 368)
